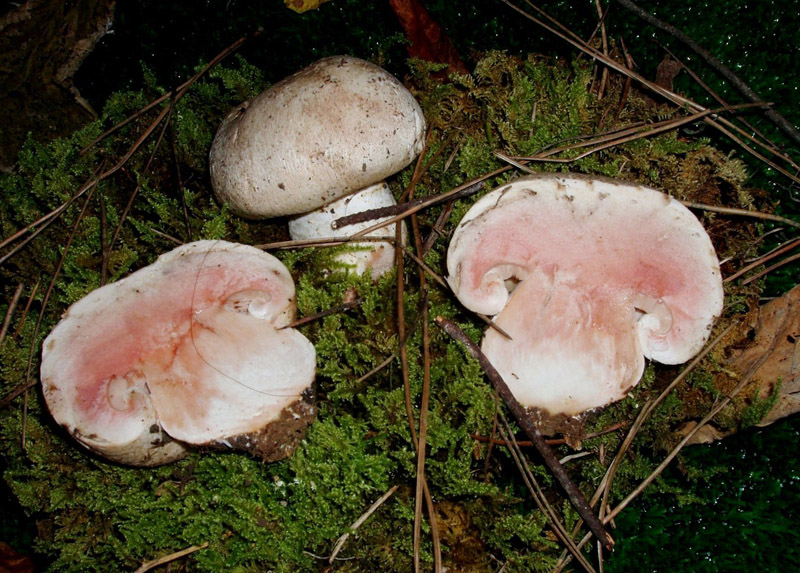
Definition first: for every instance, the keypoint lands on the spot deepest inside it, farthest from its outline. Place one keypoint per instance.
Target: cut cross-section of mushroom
(188, 351)
(331, 130)
(588, 277)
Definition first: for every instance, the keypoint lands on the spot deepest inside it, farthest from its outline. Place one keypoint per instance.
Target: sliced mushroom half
(588, 277)
(188, 351)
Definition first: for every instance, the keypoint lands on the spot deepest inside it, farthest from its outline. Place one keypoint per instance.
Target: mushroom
(189, 351)
(319, 145)
(588, 277)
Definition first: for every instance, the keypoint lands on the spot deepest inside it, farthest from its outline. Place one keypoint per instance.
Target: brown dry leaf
(426, 38)
(301, 6)
(777, 344)
(13, 562)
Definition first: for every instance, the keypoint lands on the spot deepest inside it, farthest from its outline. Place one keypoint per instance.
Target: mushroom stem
(654, 321)
(577, 499)
(377, 257)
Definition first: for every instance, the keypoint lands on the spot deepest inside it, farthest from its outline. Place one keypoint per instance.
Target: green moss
(759, 407)
(93, 515)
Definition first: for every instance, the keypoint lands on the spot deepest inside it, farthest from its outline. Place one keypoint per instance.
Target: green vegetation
(91, 515)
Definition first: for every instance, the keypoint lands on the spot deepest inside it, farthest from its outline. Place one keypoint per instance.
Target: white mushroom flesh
(184, 351)
(605, 273)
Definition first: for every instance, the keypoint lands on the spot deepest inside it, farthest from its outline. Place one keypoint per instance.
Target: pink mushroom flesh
(604, 273)
(189, 344)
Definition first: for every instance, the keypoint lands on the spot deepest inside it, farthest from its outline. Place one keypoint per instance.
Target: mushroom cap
(184, 351)
(337, 126)
(588, 276)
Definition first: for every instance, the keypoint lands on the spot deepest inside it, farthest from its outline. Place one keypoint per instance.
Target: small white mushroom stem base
(375, 257)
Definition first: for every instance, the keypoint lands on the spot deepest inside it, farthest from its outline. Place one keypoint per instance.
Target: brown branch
(360, 521)
(618, 137)
(538, 494)
(425, 398)
(790, 246)
(442, 283)
(12, 306)
(663, 465)
(647, 409)
(335, 310)
(550, 442)
(769, 269)
(719, 124)
(409, 207)
(742, 213)
(551, 461)
(45, 300)
(180, 90)
(403, 355)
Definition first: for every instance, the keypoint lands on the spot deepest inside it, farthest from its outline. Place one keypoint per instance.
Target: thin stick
(791, 245)
(436, 277)
(662, 466)
(43, 222)
(467, 189)
(407, 208)
(644, 413)
(551, 461)
(550, 442)
(372, 509)
(383, 364)
(604, 39)
(322, 242)
(12, 306)
(769, 269)
(618, 138)
(425, 398)
(104, 246)
(564, 33)
(335, 310)
(538, 494)
(129, 205)
(742, 213)
(179, 90)
(171, 557)
(752, 129)
(403, 354)
(45, 300)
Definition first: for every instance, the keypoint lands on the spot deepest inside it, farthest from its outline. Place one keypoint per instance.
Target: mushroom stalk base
(377, 257)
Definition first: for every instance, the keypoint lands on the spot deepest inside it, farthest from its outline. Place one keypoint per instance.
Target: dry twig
(372, 509)
(551, 461)
(171, 557)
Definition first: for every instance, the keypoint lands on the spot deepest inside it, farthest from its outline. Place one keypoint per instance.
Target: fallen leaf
(301, 6)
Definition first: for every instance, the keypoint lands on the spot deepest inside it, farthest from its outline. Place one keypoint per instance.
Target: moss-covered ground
(76, 512)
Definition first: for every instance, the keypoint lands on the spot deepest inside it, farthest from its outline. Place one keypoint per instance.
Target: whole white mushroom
(319, 145)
